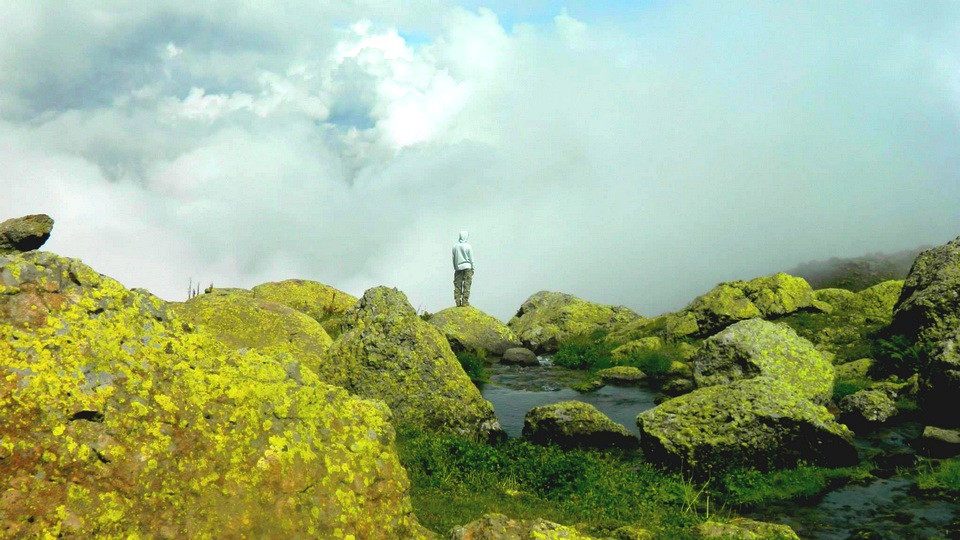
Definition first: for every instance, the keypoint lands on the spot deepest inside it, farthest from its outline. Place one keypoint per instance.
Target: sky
(629, 153)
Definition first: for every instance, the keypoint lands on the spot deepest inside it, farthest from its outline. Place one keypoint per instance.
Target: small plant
(898, 356)
(588, 352)
(943, 479)
(474, 363)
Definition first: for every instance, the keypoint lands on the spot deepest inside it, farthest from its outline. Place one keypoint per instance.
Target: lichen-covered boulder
(764, 297)
(929, 304)
(119, 421)
(868, 406)
(25, 233)
(547, 319)
(622, 376)
(745, 529)
(242, 321)
(521, 356)
(323, 303)
(390, 354)
(938, 387)
(757, 347)
(856, 369)
(876, 303)
(575, 424)
(469, 329)
(500, 527)
(758, 422)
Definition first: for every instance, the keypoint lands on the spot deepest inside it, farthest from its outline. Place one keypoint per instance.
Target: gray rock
(929, 303)
(521, 356)
(25, 233)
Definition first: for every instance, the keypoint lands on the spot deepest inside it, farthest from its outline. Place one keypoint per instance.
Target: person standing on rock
(462, 270)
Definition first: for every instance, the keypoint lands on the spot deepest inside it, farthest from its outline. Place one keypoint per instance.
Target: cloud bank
(634, 161)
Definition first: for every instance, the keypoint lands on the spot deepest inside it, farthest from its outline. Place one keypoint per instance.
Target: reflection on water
(514, 390)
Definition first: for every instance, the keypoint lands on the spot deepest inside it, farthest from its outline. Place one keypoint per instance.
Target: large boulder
(390, 354)
(929, 304)
(323, 303)
(547, 319)
(758, 422)
(521, 356)
(759, 348)
(242, 321)
(469, 329)
(938, 388)
(575, 424)
(120, 421)
(25, 233)
(500, 527)
(765, 297)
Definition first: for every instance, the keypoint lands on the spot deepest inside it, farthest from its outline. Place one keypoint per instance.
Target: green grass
(844, 387)
(655, 363)
(943, 478)
(475, 365)
(897, 356)
(588, 352)
(749, 488)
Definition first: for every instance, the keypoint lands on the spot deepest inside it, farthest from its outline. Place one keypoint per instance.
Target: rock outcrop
(323, 303)
(758, 422)
(120, 421)
(500, 527)
(938, 388)
(929, 304)
(756, 348)
(575, 424)
(25, 233)
(938, 442)
(469, 329)
(547, 319)
(390, 354)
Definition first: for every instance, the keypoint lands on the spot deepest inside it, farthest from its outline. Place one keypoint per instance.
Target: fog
(628, 155)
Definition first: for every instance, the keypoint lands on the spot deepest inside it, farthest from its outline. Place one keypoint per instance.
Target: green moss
(474, 365)
(846, 386)
(120, 421)
(942, 478)
(572, 424)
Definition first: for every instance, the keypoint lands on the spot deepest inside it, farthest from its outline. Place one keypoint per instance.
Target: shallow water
(514, 390)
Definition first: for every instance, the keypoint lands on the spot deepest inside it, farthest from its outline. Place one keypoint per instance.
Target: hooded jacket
(462, 253)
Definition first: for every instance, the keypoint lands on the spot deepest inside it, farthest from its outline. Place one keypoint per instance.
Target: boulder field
(121, 419)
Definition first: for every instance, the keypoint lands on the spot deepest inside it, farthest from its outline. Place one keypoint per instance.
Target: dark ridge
(857, 273)
(89, 416)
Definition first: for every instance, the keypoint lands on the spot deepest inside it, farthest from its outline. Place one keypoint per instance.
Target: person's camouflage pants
(461, 286)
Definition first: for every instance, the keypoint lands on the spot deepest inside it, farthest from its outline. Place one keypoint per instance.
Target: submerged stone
(469, 329)
(547, 319)
(575, 424)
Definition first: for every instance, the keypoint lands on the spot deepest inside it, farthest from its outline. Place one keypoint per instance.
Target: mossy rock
(25, 233)
(852, 370)
(755, 348)
(876, 303)
(469, 329)
(323, 303)
(548, 319)
(836, 298)
(868, 407)
(500, 527)
(575, 424)
(745, 529)
(390, 354)
(765, 297)
(622, 376)
(242, 321)
(758, 422)
(636, 346)
(120, 421)
(938, 387)
(929, 303)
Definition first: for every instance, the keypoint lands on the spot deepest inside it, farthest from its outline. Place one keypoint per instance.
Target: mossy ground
(455, 481)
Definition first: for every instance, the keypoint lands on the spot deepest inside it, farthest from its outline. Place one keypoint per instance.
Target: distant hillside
(857, 273)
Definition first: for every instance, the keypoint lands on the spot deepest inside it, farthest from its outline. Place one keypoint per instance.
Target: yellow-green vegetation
(323, 303)
(548, 319)
(119, 421)
(501, 526)
(942, 478)
(572, 424)
(469, 329)
(746, 529)
(759, 422)
(757, 347)
(749, 488)
(242, 321)
(474, 365)
(585, 351)
(390, 354)
(621, 375)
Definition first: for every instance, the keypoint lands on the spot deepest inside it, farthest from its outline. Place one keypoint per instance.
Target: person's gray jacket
(462, 253)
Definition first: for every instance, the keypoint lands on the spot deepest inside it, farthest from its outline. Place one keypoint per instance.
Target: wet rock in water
(520, 356)
(242, 321)
(575, 424)
(469, 329)
(755, 348)
(938, 442)
(547, 319)
(121, 420)
(759, 422)
(938, 385)
(622, 376)
(500, 527)
(867, 407)
(25, 233)
(745, 529)
(929, 304)
(390, 354)
(322, 303)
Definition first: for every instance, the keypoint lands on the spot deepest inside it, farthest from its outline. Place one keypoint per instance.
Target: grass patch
(589, 352)
(898, 356)
(749, 488)
(656, 363)
(944, 478)
(475, 365)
